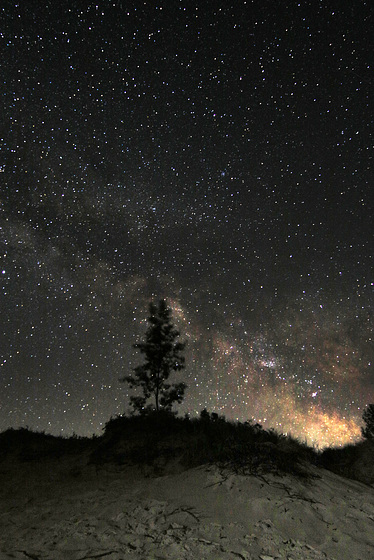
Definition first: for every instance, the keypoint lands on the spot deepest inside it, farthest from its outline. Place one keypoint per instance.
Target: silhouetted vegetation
(159, 438)
(26, 445)
(161, 442)
(368, 417)
(354, 460)
(163, 354)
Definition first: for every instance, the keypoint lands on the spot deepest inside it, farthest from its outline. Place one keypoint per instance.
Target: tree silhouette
(163, 354)
(368, 418)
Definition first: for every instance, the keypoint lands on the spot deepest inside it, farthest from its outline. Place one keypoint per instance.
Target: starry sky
(217, 154)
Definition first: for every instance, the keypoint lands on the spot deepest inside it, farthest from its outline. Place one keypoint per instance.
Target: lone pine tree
(163, 355)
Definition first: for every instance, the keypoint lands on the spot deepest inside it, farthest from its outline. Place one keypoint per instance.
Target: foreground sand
(60, 510)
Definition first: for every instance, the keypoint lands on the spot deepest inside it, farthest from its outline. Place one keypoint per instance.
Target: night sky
(217, 154)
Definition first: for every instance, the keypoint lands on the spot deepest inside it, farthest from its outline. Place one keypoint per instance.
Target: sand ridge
(61, 510)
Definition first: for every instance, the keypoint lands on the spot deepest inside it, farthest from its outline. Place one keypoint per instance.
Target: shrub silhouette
(28, 445)
(368, 417)
(353, 460)
(243, 448)
(163, 442)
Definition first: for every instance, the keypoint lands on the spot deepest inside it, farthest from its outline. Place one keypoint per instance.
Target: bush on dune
(245, 448)
(353, 460)
(27, 445)
(163, 441)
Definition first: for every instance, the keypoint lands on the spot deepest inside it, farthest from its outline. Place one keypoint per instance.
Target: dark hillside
(162, 443)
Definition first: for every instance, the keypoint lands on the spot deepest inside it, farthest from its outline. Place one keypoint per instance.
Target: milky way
(217, 155)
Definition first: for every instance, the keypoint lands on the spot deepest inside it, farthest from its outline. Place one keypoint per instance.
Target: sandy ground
(60, 510)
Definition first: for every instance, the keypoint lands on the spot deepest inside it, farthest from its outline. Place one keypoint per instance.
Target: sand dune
(62, 510)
